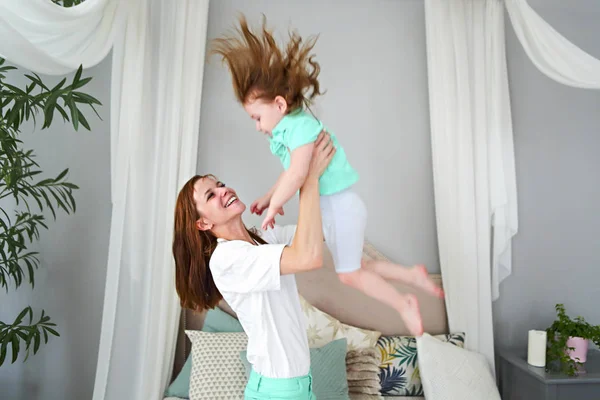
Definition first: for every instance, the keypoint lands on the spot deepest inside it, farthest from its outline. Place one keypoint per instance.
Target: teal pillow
(180, 387)
(328, 367)
(216, 320)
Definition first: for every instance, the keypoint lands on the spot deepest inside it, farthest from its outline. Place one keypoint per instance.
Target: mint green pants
(263, 388)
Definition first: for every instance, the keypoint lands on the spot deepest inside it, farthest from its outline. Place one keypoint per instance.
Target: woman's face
(216, 203)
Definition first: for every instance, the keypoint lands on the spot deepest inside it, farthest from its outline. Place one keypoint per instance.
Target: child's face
(267, 114)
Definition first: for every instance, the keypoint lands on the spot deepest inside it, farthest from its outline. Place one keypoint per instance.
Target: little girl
(273, 85)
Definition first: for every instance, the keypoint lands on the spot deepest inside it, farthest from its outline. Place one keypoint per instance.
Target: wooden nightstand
(520, 381)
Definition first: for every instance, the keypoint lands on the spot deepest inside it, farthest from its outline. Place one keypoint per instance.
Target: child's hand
(269, 221)
(260, 205)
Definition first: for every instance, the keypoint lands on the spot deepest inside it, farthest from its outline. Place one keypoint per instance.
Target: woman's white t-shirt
(266, 303)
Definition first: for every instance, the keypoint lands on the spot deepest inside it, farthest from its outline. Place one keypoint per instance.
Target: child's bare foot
(421, 280)
(409, 311)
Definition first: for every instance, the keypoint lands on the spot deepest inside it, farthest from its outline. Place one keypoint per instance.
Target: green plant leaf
(21, 316)
(82, 83)
(52, 331)
(36, 342)
(21, 335)
(59, 85)
(74, 114)
(15, 348)
(63, 113)
(3, 352)
(83, 121)
(81, 97)
(36, 79)
(77, 76)
(61, 175)
(48, 116)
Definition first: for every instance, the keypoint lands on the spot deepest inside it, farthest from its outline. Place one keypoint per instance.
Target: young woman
(218, 257)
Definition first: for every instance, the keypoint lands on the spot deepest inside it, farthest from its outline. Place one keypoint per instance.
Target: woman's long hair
(192, 249)
(260, 69)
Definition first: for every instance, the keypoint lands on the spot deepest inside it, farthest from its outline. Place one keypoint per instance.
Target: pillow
(322, 328)
(216, 320)
(328, 367)
(180, 387)
(449, 372)
(399, 369)
(362, 368)
(217, 372)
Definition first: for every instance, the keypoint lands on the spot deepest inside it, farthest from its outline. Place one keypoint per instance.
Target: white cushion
(449, 372)
(217, 371)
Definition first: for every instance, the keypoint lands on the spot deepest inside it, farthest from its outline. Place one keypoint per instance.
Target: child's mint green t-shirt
(299, 128)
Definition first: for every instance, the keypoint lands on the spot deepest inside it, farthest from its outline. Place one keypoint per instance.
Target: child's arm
(262, 203)
(289, 181)
(299, 159)
(292, 179)
(271, 191)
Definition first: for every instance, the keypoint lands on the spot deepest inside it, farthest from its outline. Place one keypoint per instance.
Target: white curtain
(554, 55)
(49, 39)
(158, 59)
(473, 159)
(157, 81)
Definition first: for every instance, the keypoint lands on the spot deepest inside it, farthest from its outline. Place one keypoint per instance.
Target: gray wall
(373, 66)
(557, 141)
(73, 253)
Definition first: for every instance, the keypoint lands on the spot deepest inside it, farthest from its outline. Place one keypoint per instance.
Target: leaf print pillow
(399, 369)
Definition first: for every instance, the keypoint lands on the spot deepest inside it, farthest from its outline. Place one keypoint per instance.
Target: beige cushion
(323, 289)
(322, 328)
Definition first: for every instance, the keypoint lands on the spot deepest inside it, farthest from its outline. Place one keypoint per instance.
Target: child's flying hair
(260, 70)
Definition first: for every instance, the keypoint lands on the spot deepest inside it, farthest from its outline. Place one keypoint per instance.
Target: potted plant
(568, 341)
(33, 195)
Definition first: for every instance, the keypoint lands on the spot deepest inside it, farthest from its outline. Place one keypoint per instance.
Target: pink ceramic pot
(581, 348)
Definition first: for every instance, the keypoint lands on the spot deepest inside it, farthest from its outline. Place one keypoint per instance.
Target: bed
(323, 290)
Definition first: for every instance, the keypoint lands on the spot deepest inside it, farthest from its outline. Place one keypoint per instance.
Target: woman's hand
(306, 251)
(323, 153)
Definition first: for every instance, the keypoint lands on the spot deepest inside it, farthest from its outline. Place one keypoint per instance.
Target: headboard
(322, 289)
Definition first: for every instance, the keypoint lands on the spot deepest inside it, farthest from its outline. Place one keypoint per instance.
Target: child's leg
(344, 217)
(415, 276)
(376, 287)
